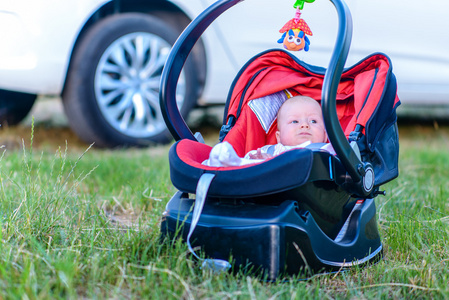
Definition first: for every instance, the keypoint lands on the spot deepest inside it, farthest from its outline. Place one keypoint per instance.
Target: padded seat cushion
(286, 171)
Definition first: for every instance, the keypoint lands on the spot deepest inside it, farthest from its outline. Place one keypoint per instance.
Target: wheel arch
(162, 9)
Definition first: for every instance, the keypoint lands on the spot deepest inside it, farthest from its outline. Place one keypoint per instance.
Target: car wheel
(14, 106)
(111, 95)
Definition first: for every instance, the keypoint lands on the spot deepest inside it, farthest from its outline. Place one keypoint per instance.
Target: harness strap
(216, 265)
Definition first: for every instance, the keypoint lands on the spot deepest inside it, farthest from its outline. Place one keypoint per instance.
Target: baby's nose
(304, 124)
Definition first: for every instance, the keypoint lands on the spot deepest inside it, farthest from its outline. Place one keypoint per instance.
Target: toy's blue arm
(281, 40)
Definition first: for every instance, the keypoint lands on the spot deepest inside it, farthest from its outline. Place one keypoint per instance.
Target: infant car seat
(306, 210)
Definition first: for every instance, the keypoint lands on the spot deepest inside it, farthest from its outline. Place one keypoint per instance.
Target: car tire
(111, 96)
(14, 106)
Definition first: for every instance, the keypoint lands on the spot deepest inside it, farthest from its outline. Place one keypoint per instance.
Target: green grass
(85, 224)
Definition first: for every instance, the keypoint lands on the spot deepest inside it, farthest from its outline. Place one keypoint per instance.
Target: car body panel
(36, 49)
(412, 34)
(409, 32)
(38, 42)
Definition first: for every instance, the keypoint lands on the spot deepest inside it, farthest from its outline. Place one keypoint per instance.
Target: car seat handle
(176, 60)
(183, 46)
(354, 166)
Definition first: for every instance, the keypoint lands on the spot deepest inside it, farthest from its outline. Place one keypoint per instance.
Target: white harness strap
(216, 265)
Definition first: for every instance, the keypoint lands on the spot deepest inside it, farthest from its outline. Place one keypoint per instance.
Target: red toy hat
(296, 23)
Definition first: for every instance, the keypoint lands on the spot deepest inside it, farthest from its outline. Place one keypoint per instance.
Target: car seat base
(274, 240)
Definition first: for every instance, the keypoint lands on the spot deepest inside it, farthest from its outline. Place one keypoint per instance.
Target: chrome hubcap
(127, 84)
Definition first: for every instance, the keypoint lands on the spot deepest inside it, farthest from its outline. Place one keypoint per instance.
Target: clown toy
(294, 32)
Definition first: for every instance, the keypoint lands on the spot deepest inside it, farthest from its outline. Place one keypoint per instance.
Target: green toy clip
(300, 3)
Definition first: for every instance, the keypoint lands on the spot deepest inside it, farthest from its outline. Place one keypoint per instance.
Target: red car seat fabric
(360, 95)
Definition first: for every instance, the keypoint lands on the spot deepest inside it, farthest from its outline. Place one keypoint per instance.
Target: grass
(79, 222)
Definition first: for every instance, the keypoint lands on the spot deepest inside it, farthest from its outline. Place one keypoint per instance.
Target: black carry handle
(181, 49)
(329, 92)
(362, 174)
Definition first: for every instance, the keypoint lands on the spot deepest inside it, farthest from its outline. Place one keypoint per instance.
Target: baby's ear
(278, 136)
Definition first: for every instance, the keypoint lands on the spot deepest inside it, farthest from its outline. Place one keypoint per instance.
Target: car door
(412, 33)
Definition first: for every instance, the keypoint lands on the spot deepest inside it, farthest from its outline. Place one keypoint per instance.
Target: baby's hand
(259, 155)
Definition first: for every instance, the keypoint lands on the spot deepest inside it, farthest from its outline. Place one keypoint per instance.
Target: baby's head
(300, 120)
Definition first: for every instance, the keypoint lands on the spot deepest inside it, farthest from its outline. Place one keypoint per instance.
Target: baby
(300, 123)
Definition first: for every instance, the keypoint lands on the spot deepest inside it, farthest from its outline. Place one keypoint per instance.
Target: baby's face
(299, 122)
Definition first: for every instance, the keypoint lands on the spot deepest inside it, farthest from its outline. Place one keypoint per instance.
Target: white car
(105, 57)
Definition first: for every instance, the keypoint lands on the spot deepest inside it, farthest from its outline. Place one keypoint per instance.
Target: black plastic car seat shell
(306, 210)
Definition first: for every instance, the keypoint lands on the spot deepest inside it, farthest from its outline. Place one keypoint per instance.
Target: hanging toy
(295, 31)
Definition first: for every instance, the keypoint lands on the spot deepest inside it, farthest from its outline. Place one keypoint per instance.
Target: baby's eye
(313, 121)
(294, 122)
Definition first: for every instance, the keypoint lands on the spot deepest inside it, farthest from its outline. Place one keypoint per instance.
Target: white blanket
(224, 155)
